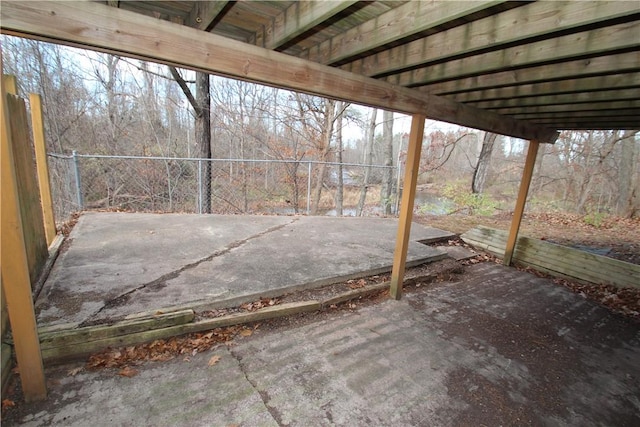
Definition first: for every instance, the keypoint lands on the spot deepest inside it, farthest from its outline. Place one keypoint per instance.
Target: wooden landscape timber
(100, 27)
(61, 343)
(557, 260)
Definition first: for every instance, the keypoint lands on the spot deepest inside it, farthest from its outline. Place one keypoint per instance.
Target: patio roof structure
(523, 69)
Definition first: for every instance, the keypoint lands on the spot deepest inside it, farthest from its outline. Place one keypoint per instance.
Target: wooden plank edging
(60, 344)
(558, 260)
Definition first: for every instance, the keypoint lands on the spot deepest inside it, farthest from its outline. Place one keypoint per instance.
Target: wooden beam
(631, 94)
(204, 14)
(568, 108)
(299, 18)
(411, 171)
(602, 65)
(42, 167)
(618, 123)
(95, 26)
(602, 41)
(558, 87)
(621, 112)
(15, 268)
(410, 19)
(519, 26)
(10, 84)
(527, 173)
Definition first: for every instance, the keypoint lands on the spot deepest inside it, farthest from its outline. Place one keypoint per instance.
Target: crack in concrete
(124, 297)
(264, 396)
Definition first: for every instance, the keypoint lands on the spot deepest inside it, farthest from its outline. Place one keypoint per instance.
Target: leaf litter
(166, 349)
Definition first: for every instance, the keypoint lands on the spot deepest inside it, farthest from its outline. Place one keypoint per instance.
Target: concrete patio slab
(118, 264)
(501, 347)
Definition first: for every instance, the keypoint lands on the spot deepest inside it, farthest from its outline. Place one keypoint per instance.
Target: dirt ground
(618, 237)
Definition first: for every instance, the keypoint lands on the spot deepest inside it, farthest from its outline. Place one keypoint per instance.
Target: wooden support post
(406, 207)
(15, 271)
(10, 84)
(37, 122)
(522, 199)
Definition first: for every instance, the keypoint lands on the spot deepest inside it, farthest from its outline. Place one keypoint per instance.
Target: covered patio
(522, 69)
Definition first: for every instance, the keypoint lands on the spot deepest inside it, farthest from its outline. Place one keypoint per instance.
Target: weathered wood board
(28, 191)
(556, 259)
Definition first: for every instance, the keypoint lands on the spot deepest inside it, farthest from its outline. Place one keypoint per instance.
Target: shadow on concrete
(499, 347)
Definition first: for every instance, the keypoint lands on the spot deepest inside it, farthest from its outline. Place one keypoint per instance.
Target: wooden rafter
(403, 22)
(565, 99)
(571, 108)
(603, 65)
(591, 115)
(204, 14)
(117, 31)
(558, 87)
(516, 27)
(622, 37)
(299, 18)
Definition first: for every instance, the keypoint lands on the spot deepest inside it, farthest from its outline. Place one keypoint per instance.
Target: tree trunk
(387, 173)
(203, 135)
(481, 171)
(329, 112)
(339, 148)
(625, 202)
(368, 161)
(201, 105)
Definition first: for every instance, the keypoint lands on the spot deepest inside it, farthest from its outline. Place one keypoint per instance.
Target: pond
(432, 204)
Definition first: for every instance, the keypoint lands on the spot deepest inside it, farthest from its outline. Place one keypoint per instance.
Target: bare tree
(481, 170)
(201, 104)
(628, 197)
(368, 160)
(387, 175)
(339, 148)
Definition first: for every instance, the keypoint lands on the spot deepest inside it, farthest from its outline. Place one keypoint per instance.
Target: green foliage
(466, 201)
(595, 219)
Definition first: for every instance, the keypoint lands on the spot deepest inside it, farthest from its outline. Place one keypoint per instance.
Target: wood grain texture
(42, 167)
(411, 171)
(557, 259)
(560, 49)
(402, 22)
(13, 258)
(516, 27)
(113, 30)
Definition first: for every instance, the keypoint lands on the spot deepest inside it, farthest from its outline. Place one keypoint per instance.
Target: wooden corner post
(522, 200)
(406, 207)
(42, 167)
(15, 270)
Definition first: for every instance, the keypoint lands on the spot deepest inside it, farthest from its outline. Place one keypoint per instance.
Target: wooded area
(102, 104)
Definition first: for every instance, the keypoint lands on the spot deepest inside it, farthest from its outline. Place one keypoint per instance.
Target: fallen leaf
(73, 372)
(214, 360)
(246, 332)
(7, 403)
(128, 372)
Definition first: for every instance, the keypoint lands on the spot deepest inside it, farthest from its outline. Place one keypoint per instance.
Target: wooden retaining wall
(557, 260)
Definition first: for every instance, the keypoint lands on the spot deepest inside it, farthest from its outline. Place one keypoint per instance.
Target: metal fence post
(309, 188)
(199, 186)
(76, 170)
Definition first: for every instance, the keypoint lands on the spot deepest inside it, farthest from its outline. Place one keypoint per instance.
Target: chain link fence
(221, 186)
